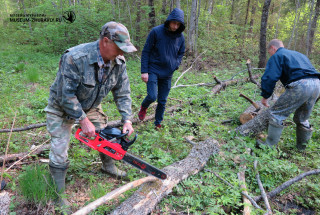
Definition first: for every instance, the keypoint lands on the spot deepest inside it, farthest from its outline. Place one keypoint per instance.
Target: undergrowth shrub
(36, 184)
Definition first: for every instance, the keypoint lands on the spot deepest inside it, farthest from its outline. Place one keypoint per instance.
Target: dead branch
(223, 84)
(4, 196)
(144, 200)
(286, 184)
(254, 203)
(37, 148)
(28, 127)
(15, 157)
(250, 73)
(263, 193)
(175, 84)
(114, 194)
(6, 153)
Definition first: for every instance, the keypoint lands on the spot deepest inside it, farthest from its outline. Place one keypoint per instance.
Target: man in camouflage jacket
(87, 73)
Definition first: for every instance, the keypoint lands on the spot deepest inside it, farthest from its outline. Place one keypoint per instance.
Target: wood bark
(253, 12)
(178, 4)
(279, 12)
(309, 25)
(4, 202)
(144, 200)
(138, 28)
(263, 33)
(112, 195)
(313, 27)
(210, 8)
(152, 15)
(242, 180)
(15, 157)
(232, 12)
(247, 13)
(294, 23)
(192, 26)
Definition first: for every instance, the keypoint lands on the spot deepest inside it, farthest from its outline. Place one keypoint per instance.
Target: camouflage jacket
(77, 89)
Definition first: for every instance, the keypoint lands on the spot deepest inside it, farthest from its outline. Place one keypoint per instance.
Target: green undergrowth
(25, 81)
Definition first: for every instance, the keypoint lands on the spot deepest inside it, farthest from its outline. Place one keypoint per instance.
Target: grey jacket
(77, 89)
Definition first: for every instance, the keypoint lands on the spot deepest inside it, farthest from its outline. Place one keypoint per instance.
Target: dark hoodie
(163, 51)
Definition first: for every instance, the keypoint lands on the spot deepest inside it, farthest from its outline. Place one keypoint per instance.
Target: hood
(176, 15)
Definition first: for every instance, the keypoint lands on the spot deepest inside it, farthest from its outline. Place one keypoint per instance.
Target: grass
(26, 90)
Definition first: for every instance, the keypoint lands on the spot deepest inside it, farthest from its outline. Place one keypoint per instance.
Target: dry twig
(263, 193)
(286, 184)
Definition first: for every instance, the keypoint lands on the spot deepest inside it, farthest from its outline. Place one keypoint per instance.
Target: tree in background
(263, 33)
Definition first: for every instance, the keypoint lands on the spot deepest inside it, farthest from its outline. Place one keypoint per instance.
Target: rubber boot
(142, 113)
(59, 175)
(303, 136)
(274, 133)
(108, 166)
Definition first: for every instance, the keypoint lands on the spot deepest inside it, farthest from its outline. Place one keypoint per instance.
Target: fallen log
(15, 157)
(242, 180)
(144, 200)
(113, 194)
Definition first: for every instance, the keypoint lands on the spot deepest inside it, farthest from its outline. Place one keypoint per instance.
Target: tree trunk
(253, 12)
(247, 13)
(279, 12)
(113, 8)
(138, 20)
(163, 8)
(197, 27)
(210, 8)
(309, 27)
(152, 15)
(263, 32)
(25, 12)
(192, 26)
(313, 27)
(232, 12)
(294, 25)
(178, 4)
(144, 200)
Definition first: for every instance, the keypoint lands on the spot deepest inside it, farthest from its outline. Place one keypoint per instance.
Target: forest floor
(24, 91)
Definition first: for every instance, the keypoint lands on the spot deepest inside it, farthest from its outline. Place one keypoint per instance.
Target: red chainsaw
(113, 143)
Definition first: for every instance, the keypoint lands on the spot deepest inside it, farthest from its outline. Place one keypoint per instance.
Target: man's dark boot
(303, 135)
(274, 133)
(59, 175)
(108, 166)
(142, 113)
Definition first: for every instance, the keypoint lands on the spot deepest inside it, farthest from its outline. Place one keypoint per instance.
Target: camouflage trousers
(60, 128)
(299, 98)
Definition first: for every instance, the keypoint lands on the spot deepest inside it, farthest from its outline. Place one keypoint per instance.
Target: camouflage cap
(119, 34)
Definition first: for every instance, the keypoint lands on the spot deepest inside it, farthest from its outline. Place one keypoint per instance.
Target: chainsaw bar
(143, 166)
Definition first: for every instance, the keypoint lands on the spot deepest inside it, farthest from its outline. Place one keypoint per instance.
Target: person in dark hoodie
(161, 56)
(302, 84)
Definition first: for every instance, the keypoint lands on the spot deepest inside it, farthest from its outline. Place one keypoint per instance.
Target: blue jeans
(299, 97)
(157, 89)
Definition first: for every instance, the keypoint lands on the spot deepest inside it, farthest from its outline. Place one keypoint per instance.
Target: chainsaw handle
(122, 135)
(126, 145)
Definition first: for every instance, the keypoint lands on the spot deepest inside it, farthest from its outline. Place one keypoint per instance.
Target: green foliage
(36, 184)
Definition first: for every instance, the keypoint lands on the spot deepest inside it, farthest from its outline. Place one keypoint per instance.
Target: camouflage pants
(60, 131)
(299, 98)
